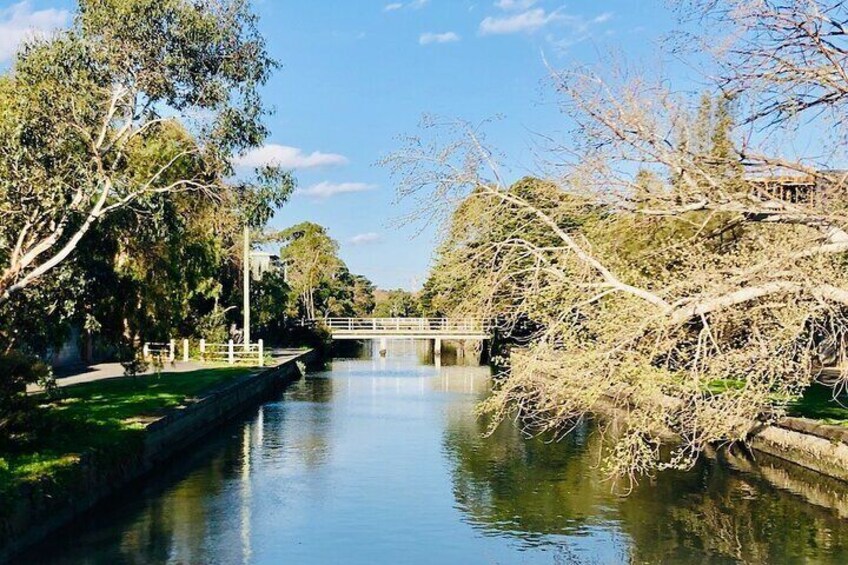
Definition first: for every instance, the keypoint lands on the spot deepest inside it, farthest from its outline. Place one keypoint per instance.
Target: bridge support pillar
(384, 346)
(437, 348)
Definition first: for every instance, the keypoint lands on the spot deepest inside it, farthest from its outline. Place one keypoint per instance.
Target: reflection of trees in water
(311, 389)
(532, 489)
(462, 380)
(304, 420)
(816, 489)
(351, 349)
(509, 484)
(150, 539)
(178, 524)
(726, 514)
(208, 504)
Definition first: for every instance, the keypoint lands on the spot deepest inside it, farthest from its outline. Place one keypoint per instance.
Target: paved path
(105, 371)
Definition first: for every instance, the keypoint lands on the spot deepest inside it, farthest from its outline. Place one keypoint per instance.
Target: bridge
(383, 329)
(407, 328)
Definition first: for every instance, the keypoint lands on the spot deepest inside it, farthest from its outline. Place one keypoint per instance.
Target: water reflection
(728, 509)
(383, 460)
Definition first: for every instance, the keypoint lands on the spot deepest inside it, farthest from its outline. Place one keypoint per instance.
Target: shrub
(18, 370)
(131, 359)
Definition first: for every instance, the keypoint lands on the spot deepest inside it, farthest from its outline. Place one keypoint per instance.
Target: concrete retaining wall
(807, 443)
(36, 513)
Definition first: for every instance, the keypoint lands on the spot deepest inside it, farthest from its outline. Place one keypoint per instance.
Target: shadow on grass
(101, 419)
(818, 403)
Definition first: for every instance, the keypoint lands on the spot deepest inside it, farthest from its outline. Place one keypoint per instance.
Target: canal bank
(807, 443)
(801, 442)
(37, 510)
(376, 460)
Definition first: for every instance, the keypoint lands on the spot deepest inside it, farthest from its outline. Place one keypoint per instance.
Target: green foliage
(488, 235)
(16, 372)
(318, 277)
(184, 55)
(822, 403)
(213, 326)
(362, 291)
(118, 135)
(398, 304)
(132, 360)
(711, 147)
(259, 201)
(345, 295)
(311, 258)
(39, 317)
(269, 297)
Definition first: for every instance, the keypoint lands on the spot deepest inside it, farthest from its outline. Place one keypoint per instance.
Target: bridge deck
(411, 328)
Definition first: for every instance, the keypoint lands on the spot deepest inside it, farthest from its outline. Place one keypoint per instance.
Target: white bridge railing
(400, 326)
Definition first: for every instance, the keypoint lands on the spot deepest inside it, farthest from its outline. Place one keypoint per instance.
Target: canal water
(384, 461)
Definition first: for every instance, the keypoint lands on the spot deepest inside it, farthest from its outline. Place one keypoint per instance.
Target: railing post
(261, 345)
(145, 351)
(230, 353)
(202, 349)
(185, 350)
(172, 351)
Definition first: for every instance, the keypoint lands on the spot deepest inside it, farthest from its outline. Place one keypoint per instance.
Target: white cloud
(579, 29)
(525, 22)
(428, 38)
(576, 28)
(413, 5)
(365, 239)
(19, 23)
(288, 158)
(324, 190)
(515, 5)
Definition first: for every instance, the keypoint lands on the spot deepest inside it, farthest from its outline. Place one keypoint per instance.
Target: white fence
(161, 351)
(230, 352)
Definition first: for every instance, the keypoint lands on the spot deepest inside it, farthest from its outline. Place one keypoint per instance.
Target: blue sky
(358, 73)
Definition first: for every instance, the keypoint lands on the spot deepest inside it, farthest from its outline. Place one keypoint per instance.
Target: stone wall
(815, 446)
(806, 443)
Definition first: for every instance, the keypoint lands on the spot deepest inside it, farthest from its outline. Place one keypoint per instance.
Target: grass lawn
(105, 418)
(818, 404)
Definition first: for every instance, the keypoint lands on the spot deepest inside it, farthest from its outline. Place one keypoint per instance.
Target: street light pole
(246, 286)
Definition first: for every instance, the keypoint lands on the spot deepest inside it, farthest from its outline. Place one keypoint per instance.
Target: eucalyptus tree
(397, 303)
(88, 116)
(345, 295)
(362, 296)
(311, 258)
